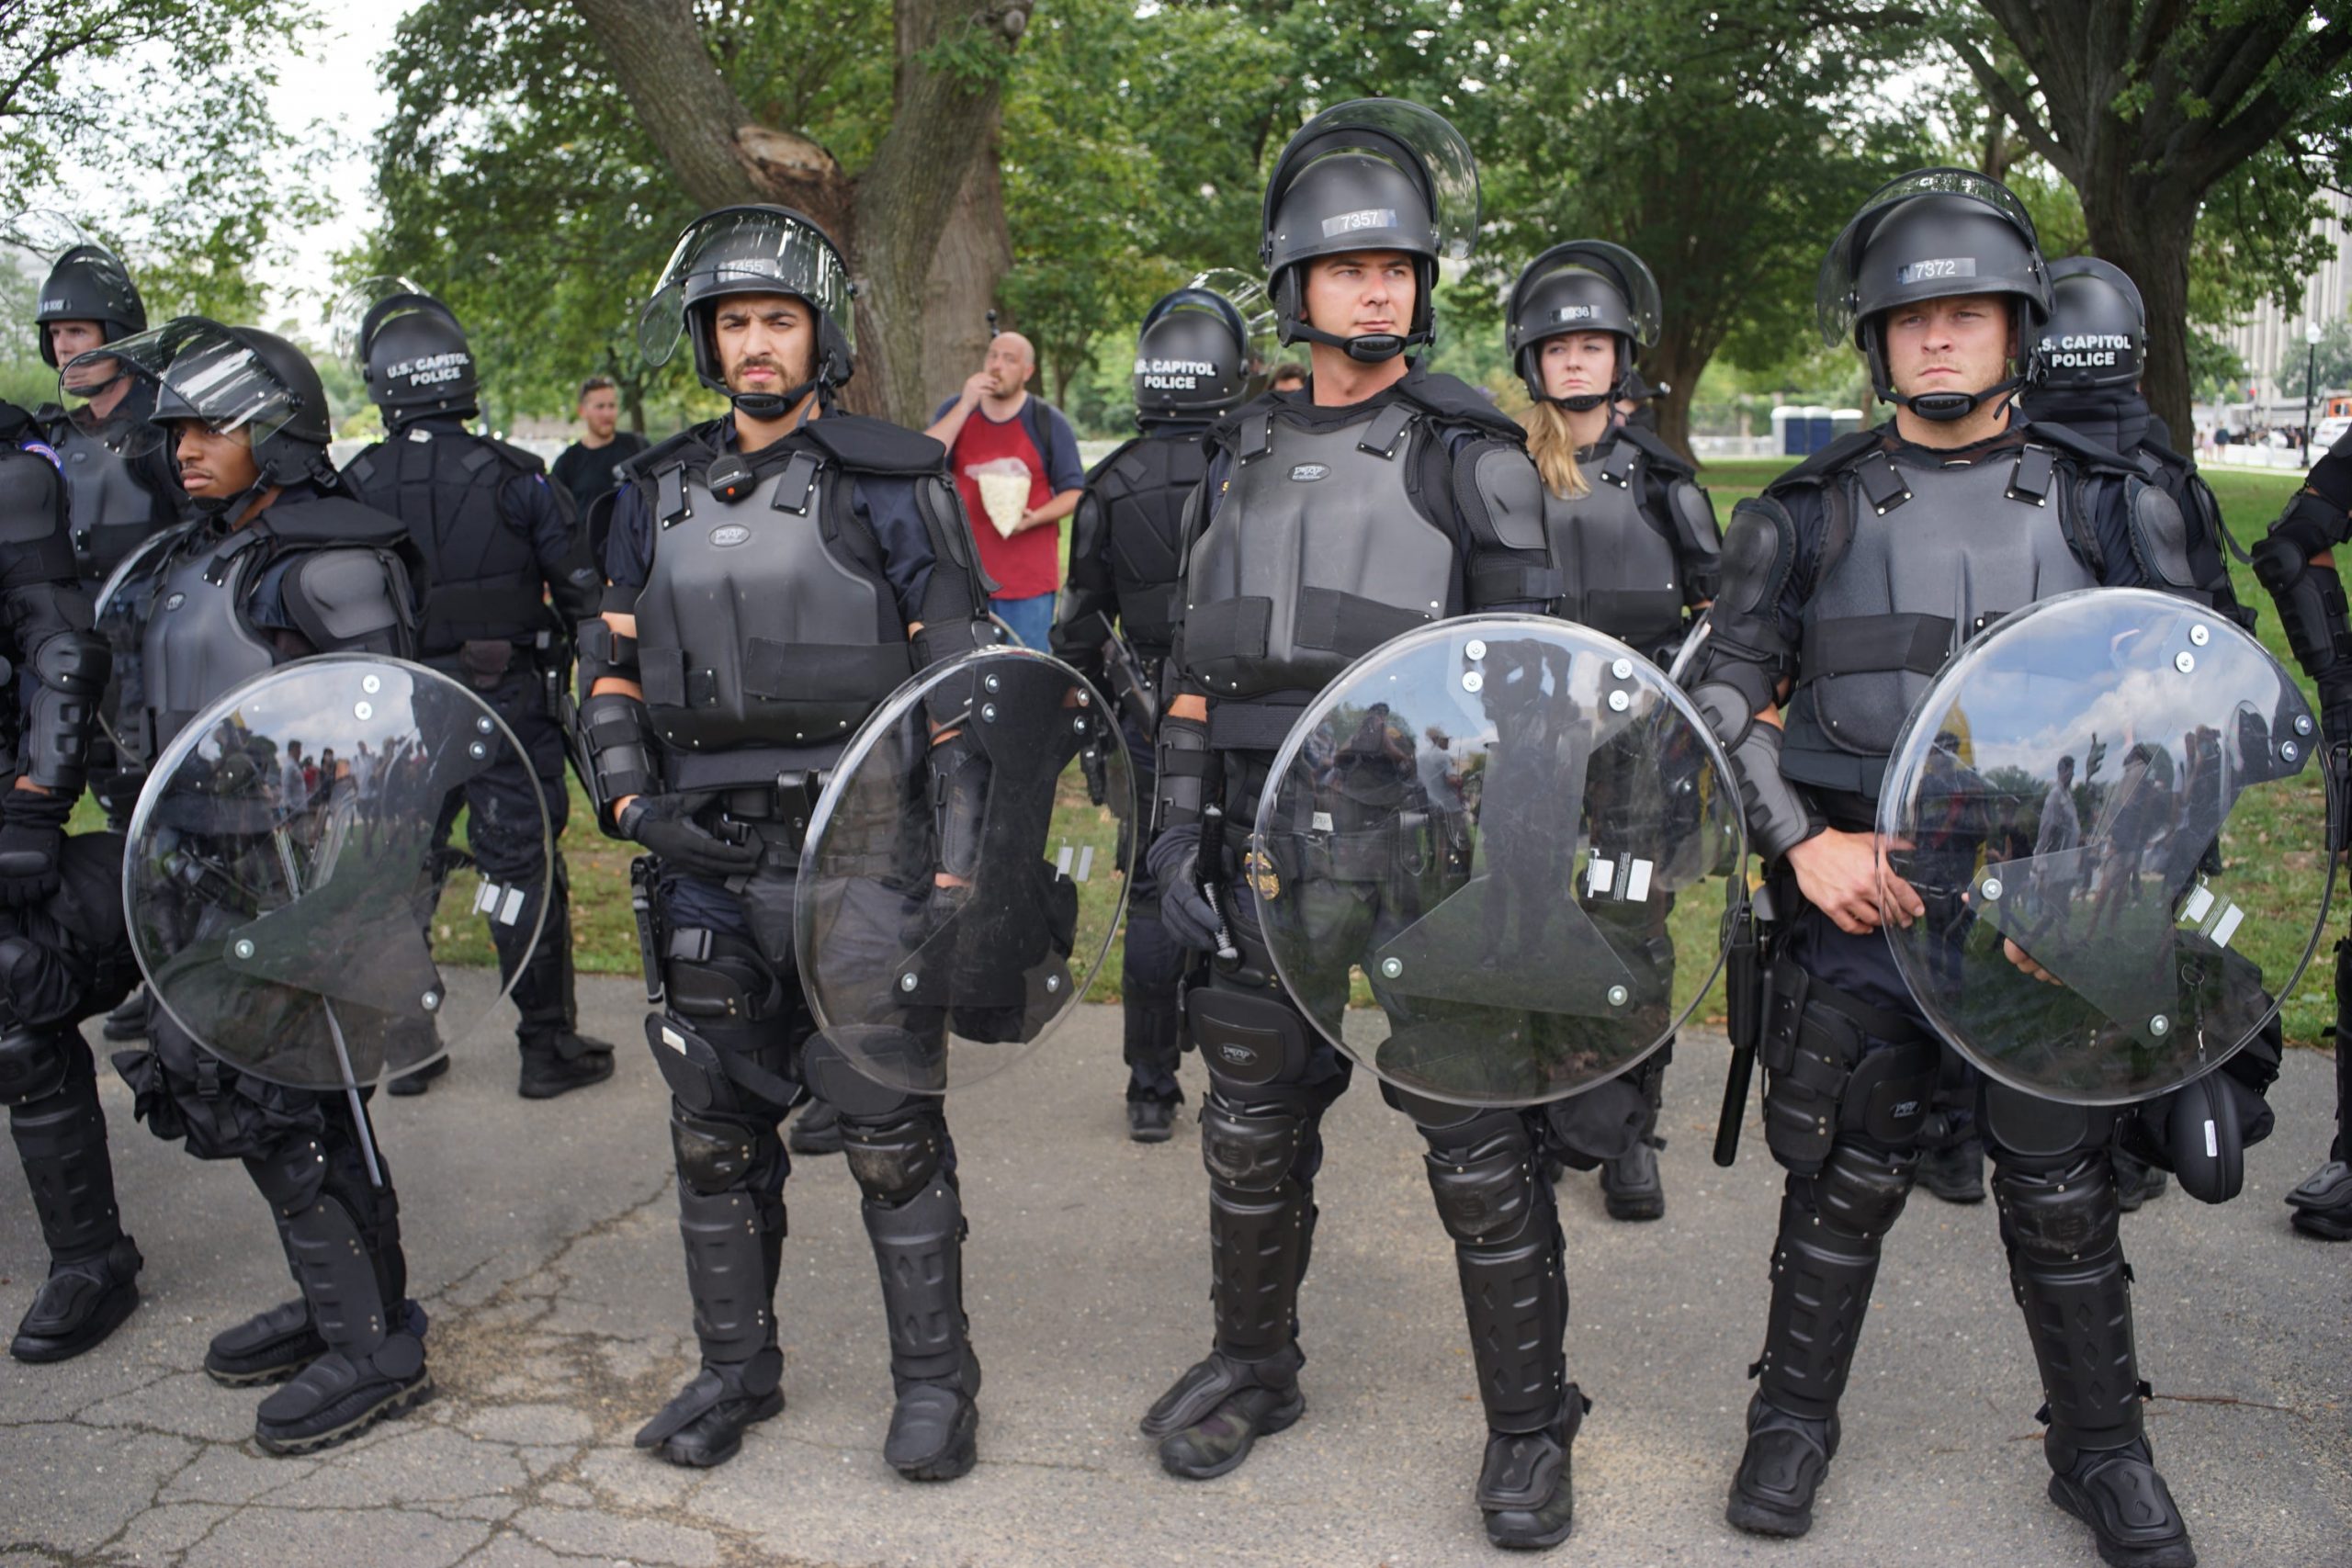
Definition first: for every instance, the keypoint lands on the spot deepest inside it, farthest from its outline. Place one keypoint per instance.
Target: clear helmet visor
(745, 249)
(360, 310)
(1837, 294)
(1247, 296)
(196, 371)
(1391, 128)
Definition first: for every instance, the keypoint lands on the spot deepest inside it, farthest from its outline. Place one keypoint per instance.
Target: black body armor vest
(1141, 488)
(1616, 558)
(483, 581)
(112, 509)
(1319, 551)
(767, 630)
(1917, 558)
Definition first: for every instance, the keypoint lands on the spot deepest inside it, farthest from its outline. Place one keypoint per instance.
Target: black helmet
(752, 250)
(1584, 286)
(1932, 234)
(1372, 175)
(409, 350)
(235, 378)
(89, 284)
(2096, 339)
(1191, 356)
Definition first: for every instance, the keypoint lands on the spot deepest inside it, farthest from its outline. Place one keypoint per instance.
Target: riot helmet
(1369, 174)
(1583, 285)
(1191, 356)
(1934, 234)
(2096, 339)
(89, 284)
(752, 250)
(230, 378)
(409, 350)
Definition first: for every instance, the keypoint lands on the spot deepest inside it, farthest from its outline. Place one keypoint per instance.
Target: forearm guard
(603, 654)
(1778, 818)
(615, 739)
(942, 640)
(1184, 760)
(2312, 613)
(72, 667)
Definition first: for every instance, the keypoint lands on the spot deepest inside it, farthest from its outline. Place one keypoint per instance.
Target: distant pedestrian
(1020, 541)
(589, 467)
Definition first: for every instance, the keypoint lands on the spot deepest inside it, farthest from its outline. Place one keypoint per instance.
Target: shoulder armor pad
(32, 498)
(1759, 550)
(334, 520)
(1227, 428)
(340, 598)
(1818, 469)
(687, 447)
(361, 470)
(1508, 490)
(1664, 459)
(515, 456)
(1695, 528)
(2159, 538)
(1456, 402)
(14, 421)
(1111, 460)
(875, 446)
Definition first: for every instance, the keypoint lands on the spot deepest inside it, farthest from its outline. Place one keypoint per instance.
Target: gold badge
(1259, 870)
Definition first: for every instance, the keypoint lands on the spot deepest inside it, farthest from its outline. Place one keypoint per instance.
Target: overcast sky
(334, 81)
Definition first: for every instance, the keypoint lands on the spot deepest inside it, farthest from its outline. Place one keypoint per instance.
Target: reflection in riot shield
(281, 881)
(956, 891)
(1491, 820)
(2066, 801)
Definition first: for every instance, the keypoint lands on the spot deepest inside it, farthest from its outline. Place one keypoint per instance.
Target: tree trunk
(1679, 361)
(2150, 239)
(922, 227)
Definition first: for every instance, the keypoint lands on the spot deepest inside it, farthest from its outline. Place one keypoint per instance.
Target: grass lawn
(2268, 880)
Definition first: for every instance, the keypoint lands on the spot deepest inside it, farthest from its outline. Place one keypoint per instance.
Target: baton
(1213, 832)
(1744, 1020)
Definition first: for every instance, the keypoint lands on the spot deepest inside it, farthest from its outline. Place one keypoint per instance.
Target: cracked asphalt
(542, 1239)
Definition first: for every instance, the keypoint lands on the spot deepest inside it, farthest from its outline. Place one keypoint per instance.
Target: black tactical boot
(2118, 1492)
(1215, 1414)
(817, 1130)
(268, 1347)
(558, 1063)
(2136, 1182)
(734, 1252)
(373, 1365)
(704, 1425)
(1785, 1463)
(92, 1284)
(919, 1247)
(129, 1020)
(1954, 1172)
(417, 1082)
(2322, 1204)
(1524, 1487)
(1630, 1187)
(1150, 1120)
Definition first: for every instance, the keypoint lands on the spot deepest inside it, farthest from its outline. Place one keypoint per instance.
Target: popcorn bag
(1004, 490)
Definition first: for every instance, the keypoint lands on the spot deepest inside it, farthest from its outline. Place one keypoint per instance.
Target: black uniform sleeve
(542, 513)
(1198, 508)
(628, 549)
(1087, 592)
(927, 554)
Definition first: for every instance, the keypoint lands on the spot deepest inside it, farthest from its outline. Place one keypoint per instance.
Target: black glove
(31, 841)
(661, 822)
(1174, 861)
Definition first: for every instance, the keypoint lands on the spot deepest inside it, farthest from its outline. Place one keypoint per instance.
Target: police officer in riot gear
(1381, 499)
(721, 683)
(119, 486)
(1633, 533)
(284, 564)
(61, 948)
(2296, 562)
(1192, 367)
(1845, 587)
(499, 543)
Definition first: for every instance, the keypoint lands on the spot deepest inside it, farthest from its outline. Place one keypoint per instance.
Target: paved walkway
(543, 1238)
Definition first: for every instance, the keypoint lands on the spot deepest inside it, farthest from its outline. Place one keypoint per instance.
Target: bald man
(994, 418)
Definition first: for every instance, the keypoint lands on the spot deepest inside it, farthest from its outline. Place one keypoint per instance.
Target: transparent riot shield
(289, 891)
(963, 870)
(2109, 807)
(1493, 859)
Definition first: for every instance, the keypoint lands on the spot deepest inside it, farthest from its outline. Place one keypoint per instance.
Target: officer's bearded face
(1365, 293)
(1956, 345)
(1579, 364)
(215, 465)
(768, 342)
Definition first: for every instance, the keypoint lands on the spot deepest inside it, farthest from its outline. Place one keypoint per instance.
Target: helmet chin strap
(775, 405)
(1372, 348)
(1943, 408)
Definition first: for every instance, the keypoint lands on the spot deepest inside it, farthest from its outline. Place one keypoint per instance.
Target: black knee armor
(1506, 1244)
(2062, 1230)
(893, 1161)
(1259, 1220)
(61, 1136)
(715, 1154)
(33, 1062)
(1836, 1065)
(1832, 1226)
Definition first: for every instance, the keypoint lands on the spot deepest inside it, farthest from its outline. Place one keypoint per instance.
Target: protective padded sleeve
(1184, 760)
(34, 545)
(604, 653)
(1500, 497)
(350, 600)
(1751, 629)
(613, 732)
(2312, 613)
(957, 589)
(70, 665)
(2331, 476)
(1778, 818)
(1698, 540)
(1088, 592)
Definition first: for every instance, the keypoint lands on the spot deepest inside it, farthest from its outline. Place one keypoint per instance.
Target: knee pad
(1861, 1190)
(1891, 1092)
(893, 1161)
(1485, 1190)
(2060, 1217)
(290, 1175)
(1248, 1040)
(1251, 1152)
(2042, 1129)
(714, 1156)
(710, 975)
(33, 1063)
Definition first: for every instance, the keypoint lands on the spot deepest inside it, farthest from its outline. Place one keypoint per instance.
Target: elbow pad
(615, 736)
(1184, 760)
(1698, 542)
(1778, 818)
